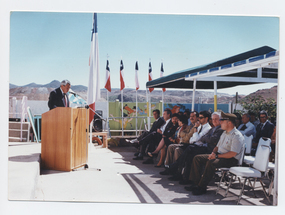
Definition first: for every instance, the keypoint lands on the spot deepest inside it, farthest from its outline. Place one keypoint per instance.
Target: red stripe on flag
(122, 81)
(150, 79)
(108, 84)
(91, 113)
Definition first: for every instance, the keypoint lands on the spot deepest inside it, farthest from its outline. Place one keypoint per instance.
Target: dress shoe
(134, 141)
(136, 154)
(199, 191)
(191, 188)
(165, 172)
(158, 165)
(148, 161)
(138, 158)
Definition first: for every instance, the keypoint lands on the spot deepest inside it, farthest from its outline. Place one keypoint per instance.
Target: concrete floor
(113, 176)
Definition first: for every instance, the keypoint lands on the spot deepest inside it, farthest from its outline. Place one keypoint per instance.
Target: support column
(193, 95)
(215, 96)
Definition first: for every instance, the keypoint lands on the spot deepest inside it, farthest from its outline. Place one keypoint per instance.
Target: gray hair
(65, 82)
(217, 113)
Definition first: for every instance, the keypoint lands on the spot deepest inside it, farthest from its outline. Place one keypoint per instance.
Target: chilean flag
(108, 80)
(93, 93)
(150, 76)
(136, 76)
(122, 82)
(161, 75)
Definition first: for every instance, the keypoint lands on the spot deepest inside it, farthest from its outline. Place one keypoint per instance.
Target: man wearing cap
(226, 154)
(59, 97)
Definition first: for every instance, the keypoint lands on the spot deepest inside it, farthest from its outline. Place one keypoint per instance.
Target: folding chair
(257, 171)
(225, 170)
(248, 159)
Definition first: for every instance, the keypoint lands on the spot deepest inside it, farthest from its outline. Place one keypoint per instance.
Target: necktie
(65, 99)
(200, 129)
(243, 128)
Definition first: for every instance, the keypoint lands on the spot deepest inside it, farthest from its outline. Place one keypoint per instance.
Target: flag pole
(136, 113)
(122, 98)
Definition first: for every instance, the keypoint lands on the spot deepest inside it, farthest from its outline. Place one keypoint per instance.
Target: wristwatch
(217, 156)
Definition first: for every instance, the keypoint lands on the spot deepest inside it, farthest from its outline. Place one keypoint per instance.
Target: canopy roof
(241, 69)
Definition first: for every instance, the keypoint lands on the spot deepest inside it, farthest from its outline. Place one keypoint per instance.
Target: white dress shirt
(196, 136)
(162, 128)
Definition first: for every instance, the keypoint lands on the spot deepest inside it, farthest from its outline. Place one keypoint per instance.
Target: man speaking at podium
(59, 97)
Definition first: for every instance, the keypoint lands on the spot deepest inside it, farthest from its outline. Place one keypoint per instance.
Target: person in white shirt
(247, 128)
(201, 128)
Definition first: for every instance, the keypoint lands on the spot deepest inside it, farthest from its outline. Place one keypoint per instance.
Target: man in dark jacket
(153, 138)
(159, 121)
(59, 97)
(264, 129)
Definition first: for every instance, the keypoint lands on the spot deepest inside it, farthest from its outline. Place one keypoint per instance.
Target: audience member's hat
(228, 116)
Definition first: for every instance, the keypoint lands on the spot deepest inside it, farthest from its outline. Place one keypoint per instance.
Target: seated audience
(167, 131)
(175, 150)
(201, 127)
(154, 136)
(246, 128)
(204, 145)
(159, 121)
(226, 154)
(165, 142)
(253, 119)
(238, 121)
(264, 129)
(187, 114)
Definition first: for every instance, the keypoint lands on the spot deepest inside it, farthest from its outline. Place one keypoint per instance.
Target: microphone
(72, 93)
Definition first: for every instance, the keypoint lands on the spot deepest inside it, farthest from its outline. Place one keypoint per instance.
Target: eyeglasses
(223, 119)
(201, 117)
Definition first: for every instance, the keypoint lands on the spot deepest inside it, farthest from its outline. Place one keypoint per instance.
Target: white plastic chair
(249, 160)
(248, 144)
(258, 171)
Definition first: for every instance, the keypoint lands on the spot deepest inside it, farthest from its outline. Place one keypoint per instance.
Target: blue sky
(45, 46)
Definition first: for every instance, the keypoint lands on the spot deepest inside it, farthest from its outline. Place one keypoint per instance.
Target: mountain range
(41, 92)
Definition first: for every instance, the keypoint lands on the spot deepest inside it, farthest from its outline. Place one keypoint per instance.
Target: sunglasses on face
(201, 117)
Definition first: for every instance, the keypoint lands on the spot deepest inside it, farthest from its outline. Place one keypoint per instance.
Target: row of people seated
(264, 128)
(220, 146)
(192, 148)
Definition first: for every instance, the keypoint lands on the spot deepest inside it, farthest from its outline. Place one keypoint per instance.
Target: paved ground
(112, 176)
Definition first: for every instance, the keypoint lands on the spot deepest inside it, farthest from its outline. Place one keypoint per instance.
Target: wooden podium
(64, 138)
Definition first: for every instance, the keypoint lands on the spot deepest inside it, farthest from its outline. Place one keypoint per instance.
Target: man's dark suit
(56, 99)
(265, 131)
(156, 125)
(262, 131)
(154, 137)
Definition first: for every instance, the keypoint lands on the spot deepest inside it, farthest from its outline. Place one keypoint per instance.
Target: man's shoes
(165, 172)
(136, 154)
(148, 161)
(199, 191)
(191, 188)
(132, 141)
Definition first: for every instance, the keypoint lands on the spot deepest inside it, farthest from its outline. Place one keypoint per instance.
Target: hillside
(41, 92)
